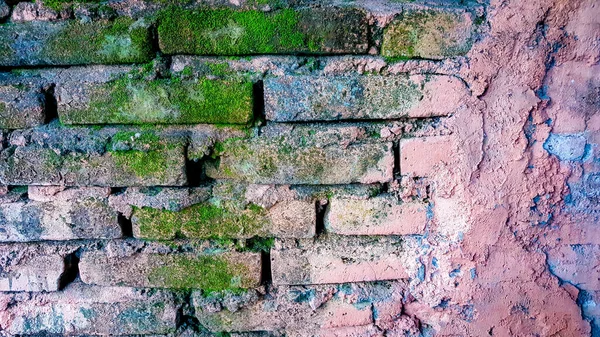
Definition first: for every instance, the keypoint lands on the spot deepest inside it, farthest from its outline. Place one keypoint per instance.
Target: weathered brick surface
(118, 265)
(420, 156)
(226, 212)
(73, 42)
(325, 309)
(21, 106)
(53, 155)
(32, 267)
(58, 214)
(133, 99)
(280, 161)
(429, 33)
(382, 215)
(89, 310)
(228, 32)
(308, 98)
(339, 259)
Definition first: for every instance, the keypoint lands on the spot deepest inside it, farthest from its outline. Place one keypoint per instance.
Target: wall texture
(300, 168)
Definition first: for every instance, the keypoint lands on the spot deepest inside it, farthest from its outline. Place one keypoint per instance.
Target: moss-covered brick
(165, 101)
(211, 272)
(200, 221)
(229, 32)
(429, 34)
(85, 159)
(21, 106)
(279, 161)
(73, 42)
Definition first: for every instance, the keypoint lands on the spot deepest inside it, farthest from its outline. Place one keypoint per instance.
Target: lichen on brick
(431, 34)
(127, 100)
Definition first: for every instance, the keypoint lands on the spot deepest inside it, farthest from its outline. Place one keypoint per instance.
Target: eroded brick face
(299, 168)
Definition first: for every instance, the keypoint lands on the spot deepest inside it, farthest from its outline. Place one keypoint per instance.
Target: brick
(428, 33)
(339, 259)
(331, 30)
(130, 100)
(286, 309)
(211, 272)
(279, 161)
(381, 215)
(21, 106)
(106, 157)
(313, 98)
(89, 310)
(226, 213)
(32, 267)
(420, 156)
(74, 42)
(66, 215)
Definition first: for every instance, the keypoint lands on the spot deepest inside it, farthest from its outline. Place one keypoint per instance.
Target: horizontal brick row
(422, 33)
(206, 265)
(226, 210)
(129, 95)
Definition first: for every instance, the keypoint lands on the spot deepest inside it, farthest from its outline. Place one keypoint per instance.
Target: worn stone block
(381, 215)
(208, 271)
(308, 98)
(89, 310)
(280, 161)
(226, 212)
(32, 267)
(420, 156)
(84, 156)
(339, 259)
(329, 30)
(73, 42)
(21, 106)
(287, 308)
(81, 213)
(129, 100)
(428, 33)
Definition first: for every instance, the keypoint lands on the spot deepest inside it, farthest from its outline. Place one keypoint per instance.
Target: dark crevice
(266, 277)
(117, 190)
(186, 317)
(126, 226)
(51, 106)
(193, 171)
(258, 108)
(396, 150)
(321, 208)
(70, 269)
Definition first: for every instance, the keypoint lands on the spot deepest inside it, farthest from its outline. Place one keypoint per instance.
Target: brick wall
(243, 168)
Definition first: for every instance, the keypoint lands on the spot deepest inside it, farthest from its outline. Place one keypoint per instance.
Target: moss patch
(169, 101)
(142, 153)
(229, 32)
(120, 41)
(209, 273)
(200, 221)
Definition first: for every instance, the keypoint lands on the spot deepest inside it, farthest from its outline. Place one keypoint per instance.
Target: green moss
(169, 101)
(141, 153)
(228, 32)
(120, 41)
(218, 69)
(259, 244)
(58, 5)
(2, 107)
(209, 273)
(200, 221)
